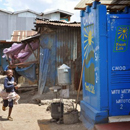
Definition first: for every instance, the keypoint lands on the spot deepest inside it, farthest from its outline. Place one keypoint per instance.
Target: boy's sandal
(3, 108)
(10, 118)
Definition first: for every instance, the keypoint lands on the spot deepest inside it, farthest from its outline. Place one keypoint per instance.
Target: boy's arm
(6, 86)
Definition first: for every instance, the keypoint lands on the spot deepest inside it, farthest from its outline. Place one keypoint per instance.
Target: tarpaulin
(28, 72)
(44, 59)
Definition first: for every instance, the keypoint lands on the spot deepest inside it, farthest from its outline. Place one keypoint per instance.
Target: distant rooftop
(21, 11)
(57, 23)
(2, 10)
(27, 10)
(58, 11)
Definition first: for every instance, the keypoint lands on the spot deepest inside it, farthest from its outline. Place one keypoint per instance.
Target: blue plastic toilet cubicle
(106, 75)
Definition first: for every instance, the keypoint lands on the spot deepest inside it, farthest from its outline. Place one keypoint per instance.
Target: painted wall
(94, 106)
(119, 64)
(105, 50)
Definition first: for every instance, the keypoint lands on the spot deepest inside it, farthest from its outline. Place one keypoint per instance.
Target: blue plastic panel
(119, 64)
(94, 106)
(95, 55)
(90, 51)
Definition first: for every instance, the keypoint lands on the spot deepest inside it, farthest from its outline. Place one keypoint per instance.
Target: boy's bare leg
(9, 114)
(10, 110)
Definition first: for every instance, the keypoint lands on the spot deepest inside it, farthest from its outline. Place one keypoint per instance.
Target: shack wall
(63, 45)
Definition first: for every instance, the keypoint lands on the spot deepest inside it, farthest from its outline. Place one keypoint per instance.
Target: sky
(42, 6)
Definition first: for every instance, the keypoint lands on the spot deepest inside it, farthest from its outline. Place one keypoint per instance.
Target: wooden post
(79, 84)
(38, 57)
(32, 50)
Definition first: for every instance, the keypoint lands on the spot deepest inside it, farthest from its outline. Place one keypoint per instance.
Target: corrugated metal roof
(81, 4)
(18, 35)
(111, 4)
(31, 37)
(6, 42)
(5, 11)
(57, 23)
(27, 10)
(58, 10)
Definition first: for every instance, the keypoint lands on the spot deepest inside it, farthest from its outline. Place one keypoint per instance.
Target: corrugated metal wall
(64, 47)
(11, 22)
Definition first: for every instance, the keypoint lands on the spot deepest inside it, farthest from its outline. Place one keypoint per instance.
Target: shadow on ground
(47, 125)
(3, 119)
(44, 124)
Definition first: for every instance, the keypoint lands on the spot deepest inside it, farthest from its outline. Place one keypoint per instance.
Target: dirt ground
(29, 115)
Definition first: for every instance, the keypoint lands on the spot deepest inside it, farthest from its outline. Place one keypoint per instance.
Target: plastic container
(64, 75)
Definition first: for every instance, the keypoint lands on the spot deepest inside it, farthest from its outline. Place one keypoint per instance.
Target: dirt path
(30, 116)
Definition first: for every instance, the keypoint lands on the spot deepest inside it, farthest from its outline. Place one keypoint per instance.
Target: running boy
(10, 94)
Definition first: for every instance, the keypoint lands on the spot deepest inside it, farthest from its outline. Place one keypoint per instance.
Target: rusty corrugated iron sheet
(82, 4)
(6, 42)
(119, 4)
(60, 46)
(18, 35)
(69, 52)
(56, 23)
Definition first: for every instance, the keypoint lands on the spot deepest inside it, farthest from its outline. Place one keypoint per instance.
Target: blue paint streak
(89, 63)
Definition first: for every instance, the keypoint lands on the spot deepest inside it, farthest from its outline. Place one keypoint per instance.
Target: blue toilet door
(118, 27)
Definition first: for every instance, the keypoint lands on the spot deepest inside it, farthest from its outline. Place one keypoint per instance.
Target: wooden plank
(32, 50)
(90, 4)
(8, 60)
(23, 64)
(38, 61)
(79, 8)
(116, 4)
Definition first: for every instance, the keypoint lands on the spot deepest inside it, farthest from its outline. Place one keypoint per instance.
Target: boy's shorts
(6, 103)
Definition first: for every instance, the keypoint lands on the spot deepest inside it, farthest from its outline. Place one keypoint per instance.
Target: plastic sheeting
(44, 59)
(26, 52)
(4, 64)
(20, 52)
(28, 72)
(14, 49)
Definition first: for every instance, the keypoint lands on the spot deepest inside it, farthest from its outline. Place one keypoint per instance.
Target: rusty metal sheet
(57, 23)
(65, 48)
(19, 35)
